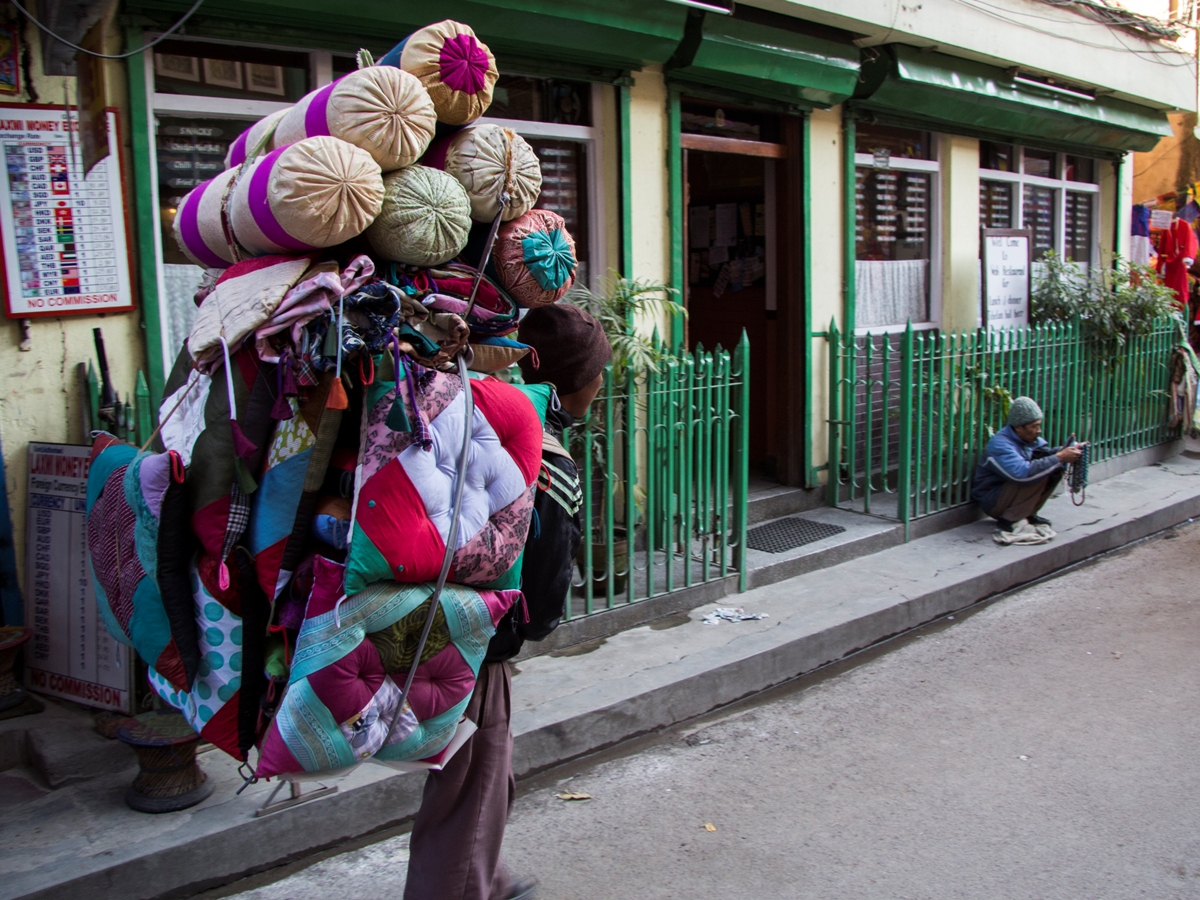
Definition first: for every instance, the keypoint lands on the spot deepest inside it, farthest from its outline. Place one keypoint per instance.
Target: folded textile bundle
(535, 258)
(249, 140)
(315, 193)
(425, 218)
(456, 68)
(496, 166)
(384, 110)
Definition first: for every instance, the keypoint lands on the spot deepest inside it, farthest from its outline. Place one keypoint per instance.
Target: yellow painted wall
(650, 189)
(825, 166)
(41, 398)
(959, 201)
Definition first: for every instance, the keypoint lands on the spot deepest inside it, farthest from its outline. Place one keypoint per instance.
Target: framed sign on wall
(65, 236)
(1007, 276)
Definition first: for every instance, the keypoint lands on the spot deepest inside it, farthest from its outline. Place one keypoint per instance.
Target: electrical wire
(996, 12)
(62, 40)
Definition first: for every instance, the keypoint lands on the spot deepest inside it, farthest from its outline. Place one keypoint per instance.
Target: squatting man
(1019, 471)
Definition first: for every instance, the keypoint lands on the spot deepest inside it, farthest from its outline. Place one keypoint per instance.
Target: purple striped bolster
(189, 228)
(237, 151)
(315, 122)
(260, 208)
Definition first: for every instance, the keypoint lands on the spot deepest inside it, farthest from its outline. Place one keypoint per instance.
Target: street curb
(228, 843)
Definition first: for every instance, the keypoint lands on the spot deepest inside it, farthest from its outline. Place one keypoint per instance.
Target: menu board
(65, 244)
(71, 655)
(1006, 269)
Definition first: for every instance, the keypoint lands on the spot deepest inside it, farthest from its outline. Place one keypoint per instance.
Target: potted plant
(618, 308)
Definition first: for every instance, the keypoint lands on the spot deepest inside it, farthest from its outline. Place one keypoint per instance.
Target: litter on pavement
(730, 614)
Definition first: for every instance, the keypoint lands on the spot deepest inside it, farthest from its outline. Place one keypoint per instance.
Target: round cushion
(197, 224)
(488, 161)
(381, 109)
(535, 258)
(425, 219)
(317, 192)
(456, 68)
(246, 142)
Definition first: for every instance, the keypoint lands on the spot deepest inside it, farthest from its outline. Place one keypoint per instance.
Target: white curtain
(180, 283)
(890, 292)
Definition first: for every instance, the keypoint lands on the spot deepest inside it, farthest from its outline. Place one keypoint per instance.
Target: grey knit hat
(1024, 410)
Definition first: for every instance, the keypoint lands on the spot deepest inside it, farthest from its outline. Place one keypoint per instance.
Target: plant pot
(599, 573)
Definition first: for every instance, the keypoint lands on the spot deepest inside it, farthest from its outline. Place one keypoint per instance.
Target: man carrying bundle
(1018, 473)
(454, 852)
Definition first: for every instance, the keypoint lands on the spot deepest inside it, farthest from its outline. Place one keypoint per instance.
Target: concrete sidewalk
(80, 839)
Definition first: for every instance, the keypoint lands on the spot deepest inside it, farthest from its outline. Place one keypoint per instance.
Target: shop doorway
(741, 193)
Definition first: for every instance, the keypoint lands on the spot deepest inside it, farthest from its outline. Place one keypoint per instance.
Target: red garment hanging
(1178, 247)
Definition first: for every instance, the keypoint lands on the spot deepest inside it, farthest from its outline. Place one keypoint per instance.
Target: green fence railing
(667, 451)
(910, 412)
(131, 419)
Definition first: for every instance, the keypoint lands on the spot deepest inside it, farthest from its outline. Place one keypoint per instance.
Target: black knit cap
(569, 347)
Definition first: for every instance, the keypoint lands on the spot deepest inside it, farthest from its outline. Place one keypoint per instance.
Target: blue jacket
(1008, 458)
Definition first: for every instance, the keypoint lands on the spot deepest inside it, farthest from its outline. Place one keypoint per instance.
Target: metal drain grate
(788, 534)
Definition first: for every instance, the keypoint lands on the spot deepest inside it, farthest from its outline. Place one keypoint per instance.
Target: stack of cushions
(316, 193)
(197, 225)
(381, 109)
(350, 664)
(490, 162)
(458, 71)
(405, 479)
(535, 258)
(247, 142)
(425, 218)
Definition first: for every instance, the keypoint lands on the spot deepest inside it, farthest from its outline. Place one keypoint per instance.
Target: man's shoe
(1005, 525)
(522, 889)
(1038, 520)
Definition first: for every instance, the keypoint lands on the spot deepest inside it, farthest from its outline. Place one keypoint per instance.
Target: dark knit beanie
(569, 347)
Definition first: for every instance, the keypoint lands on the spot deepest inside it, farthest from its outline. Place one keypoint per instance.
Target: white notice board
(1006, 281)
(65, 237)
(71, 654)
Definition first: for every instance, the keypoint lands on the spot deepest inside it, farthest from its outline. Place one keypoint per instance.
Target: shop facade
(781, 169)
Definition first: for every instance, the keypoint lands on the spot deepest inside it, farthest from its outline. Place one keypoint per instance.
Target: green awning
(758, 60)
(605, 37)
(942, 92)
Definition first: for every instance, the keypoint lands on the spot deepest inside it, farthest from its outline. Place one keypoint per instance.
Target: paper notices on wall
(72, 655)
(725, 232)
(1006, 278)
(64, 236)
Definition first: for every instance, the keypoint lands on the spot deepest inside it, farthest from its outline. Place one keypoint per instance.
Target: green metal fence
(666, 451)
(910, 412)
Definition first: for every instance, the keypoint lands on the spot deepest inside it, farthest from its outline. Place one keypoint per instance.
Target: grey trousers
(454, 852)
(1021, 499)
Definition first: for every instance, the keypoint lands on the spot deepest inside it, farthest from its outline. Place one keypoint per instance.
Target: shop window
(895, 143)
(1039, 209)
(541, 100)
(1043, 163)
(1080, 168)
(1054, 195)
(730, 121)
(995, 204)
(999, 157)
(217, 70)
(894, 232)
(1077, 227)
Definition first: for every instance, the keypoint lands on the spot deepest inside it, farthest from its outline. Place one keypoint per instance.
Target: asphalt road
(1046, 747)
